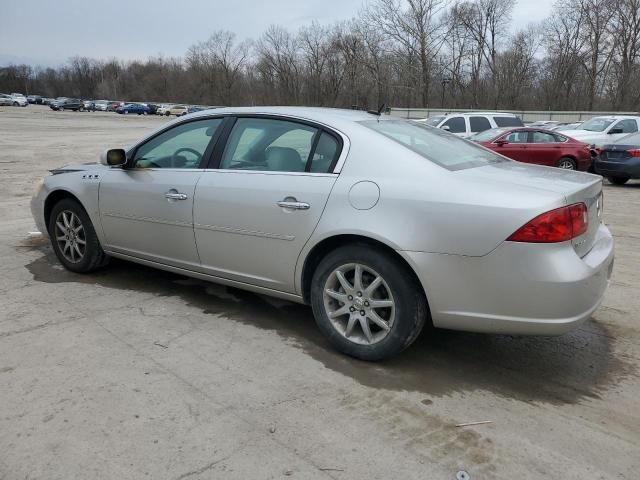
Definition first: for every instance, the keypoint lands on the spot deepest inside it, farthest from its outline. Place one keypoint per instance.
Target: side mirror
(115, 157)
(613, 131)
(446, 128)
(501, 142)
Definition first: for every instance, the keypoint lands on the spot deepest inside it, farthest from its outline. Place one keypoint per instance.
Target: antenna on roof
(379, 111)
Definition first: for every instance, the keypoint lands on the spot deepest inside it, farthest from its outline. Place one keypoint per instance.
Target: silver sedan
(381, 225)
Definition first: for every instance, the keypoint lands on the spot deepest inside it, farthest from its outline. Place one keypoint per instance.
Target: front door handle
(175, 196)
(293, 204)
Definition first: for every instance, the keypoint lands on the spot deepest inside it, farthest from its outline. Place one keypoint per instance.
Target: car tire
(398, 287)
(567, 163)
(69, 226)
(167, 113)
(16, 104)
(81, 109)
(618, 180)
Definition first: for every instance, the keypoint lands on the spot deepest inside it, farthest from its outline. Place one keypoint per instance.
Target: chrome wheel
(70, 236)
(359, 304)
(567, 164)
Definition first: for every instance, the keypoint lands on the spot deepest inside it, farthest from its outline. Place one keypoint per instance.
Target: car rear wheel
(167, 113)
(367, 303)
(81, 109)
(74, 239)
(15, 104)
(618, 180)
(567, 163)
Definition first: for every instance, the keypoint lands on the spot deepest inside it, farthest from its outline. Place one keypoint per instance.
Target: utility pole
(445, 81)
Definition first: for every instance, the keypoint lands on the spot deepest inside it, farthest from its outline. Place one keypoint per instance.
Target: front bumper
(627, 168)
(519, 289)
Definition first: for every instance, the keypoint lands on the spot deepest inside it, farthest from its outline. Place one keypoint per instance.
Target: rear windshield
(436, 145)
(508, 122)
(488, 134)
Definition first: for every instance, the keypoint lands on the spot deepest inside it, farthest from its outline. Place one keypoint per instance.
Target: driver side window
(183, 146)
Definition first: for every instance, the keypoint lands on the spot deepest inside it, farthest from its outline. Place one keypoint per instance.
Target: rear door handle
(175, 196)
(293, 204)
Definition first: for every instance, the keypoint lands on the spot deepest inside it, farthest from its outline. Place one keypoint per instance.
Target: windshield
(434, 121)
(598, 124)
(488, 134)
(436, 145)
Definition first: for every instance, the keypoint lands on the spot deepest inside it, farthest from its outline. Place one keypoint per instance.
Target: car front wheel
(367, 303)
(74, 239)
(619, 180)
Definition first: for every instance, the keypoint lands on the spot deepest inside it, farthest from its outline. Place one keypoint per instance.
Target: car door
(257, 209)
(146, 209)
(621, 129)
(455, 125)
(544, 149)
(516, 146)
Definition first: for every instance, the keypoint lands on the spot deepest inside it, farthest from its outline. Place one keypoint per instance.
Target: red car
(537, 145)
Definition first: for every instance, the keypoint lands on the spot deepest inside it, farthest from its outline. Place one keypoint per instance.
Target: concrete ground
(133, 373)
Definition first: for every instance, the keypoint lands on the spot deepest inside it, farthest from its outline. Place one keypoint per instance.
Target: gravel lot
(134, 373)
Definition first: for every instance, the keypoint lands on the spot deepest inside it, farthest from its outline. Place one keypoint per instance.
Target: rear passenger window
(268, 145)
(508, 121)
(456, 125)
(325, 153)
(479, 124)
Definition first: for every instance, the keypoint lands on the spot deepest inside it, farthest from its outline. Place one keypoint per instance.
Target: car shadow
(556, 370)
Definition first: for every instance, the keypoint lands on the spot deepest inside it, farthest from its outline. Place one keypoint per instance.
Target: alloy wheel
(70, 236)
(359, 304)
(567, 164)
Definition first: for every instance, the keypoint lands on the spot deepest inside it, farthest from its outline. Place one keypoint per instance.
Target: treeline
(405, 53)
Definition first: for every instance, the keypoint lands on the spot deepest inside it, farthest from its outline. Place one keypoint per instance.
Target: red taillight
(557, 225)
(635, 152)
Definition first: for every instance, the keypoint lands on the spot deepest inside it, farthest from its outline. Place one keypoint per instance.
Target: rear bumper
(520, 289)
(628, 168)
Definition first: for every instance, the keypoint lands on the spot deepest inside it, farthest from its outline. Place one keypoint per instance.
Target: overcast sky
(48, 32)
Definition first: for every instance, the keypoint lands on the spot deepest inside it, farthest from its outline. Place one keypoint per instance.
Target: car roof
(317, 114)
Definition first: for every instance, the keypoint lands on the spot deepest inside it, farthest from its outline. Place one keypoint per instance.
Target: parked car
(133, 108)
(89, 105)
(6, 100)
(101, 105)
(35, 99)
(195, 108)
(47, 100)
(382, 225)
(467, 124)
(619, 161)
(62, 104)
(601, 130)
(537, 145)
(548, 124)
(164, 108)
(177, 110)
(153, 108)
(113, 106)
(19, 100)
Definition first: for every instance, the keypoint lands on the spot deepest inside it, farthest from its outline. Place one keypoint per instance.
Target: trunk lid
(574, 186)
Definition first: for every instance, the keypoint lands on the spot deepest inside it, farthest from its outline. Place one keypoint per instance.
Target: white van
(467, 124)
